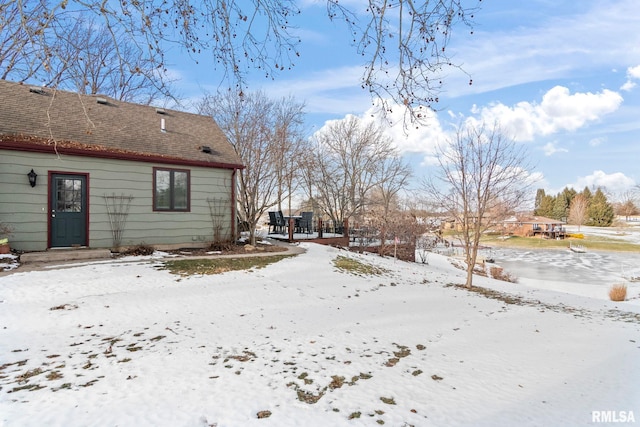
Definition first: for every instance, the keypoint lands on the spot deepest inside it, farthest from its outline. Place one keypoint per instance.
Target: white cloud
(406, 137)
(633, 73)
(550, 149)
(594, 142)
(536, 178)
(412, 138)
(558, 111)
(628, 86)
(616, 182)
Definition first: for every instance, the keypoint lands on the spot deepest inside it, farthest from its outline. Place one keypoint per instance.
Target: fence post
(319, 228)
(292, 225)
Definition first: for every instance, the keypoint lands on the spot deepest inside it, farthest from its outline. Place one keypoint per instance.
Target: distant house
(457, 225)
(111, 173)
(535, 226)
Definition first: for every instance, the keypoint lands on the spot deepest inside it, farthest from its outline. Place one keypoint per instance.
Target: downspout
(233, 204)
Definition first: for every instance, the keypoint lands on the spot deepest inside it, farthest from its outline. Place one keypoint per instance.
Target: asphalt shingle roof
(43, 115)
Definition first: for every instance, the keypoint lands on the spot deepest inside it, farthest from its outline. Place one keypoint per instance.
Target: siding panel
(25, 208)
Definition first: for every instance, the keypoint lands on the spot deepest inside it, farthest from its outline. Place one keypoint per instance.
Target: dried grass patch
(618, 292)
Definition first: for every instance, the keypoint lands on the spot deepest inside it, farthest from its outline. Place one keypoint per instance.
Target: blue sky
(562, 78)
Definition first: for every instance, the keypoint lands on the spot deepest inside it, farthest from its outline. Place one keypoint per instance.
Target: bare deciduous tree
(76, 53)
(347, 159)
(626, 205)
(18, 54)
(628, 209)
(254, 132)
(578, 210)
(481, 178)
(393, 177)
(289, 147)
(91, 62)
(403, 43)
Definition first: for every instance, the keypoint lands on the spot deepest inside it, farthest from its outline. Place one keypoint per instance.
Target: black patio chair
(272, 221)
(306, 223)
(276, 222)
(282, 223)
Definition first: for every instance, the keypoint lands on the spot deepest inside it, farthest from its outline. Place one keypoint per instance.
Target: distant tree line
(582, 208)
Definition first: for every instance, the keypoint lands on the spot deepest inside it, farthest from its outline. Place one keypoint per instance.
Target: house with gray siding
(111, 174)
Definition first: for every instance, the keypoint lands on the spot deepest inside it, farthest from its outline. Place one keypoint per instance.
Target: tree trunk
(252, 233)
(469, 276)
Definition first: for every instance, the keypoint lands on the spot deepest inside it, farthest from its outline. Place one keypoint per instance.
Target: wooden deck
(325, 232)
(560, 233)
(326, 239)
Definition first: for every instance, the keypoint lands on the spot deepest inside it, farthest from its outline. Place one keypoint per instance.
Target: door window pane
(69, 195)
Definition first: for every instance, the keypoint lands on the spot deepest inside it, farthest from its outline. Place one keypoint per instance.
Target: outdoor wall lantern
(32, 178)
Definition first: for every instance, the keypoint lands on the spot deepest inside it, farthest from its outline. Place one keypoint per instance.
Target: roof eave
(110, 154)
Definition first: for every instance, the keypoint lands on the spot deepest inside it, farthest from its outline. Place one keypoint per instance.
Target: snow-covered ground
(126, 343)
(629, 233)
(588, 274)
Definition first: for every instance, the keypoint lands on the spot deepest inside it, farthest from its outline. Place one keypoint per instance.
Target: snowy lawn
(303, 343)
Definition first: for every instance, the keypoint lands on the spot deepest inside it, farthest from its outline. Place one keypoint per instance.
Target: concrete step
(60, 255)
